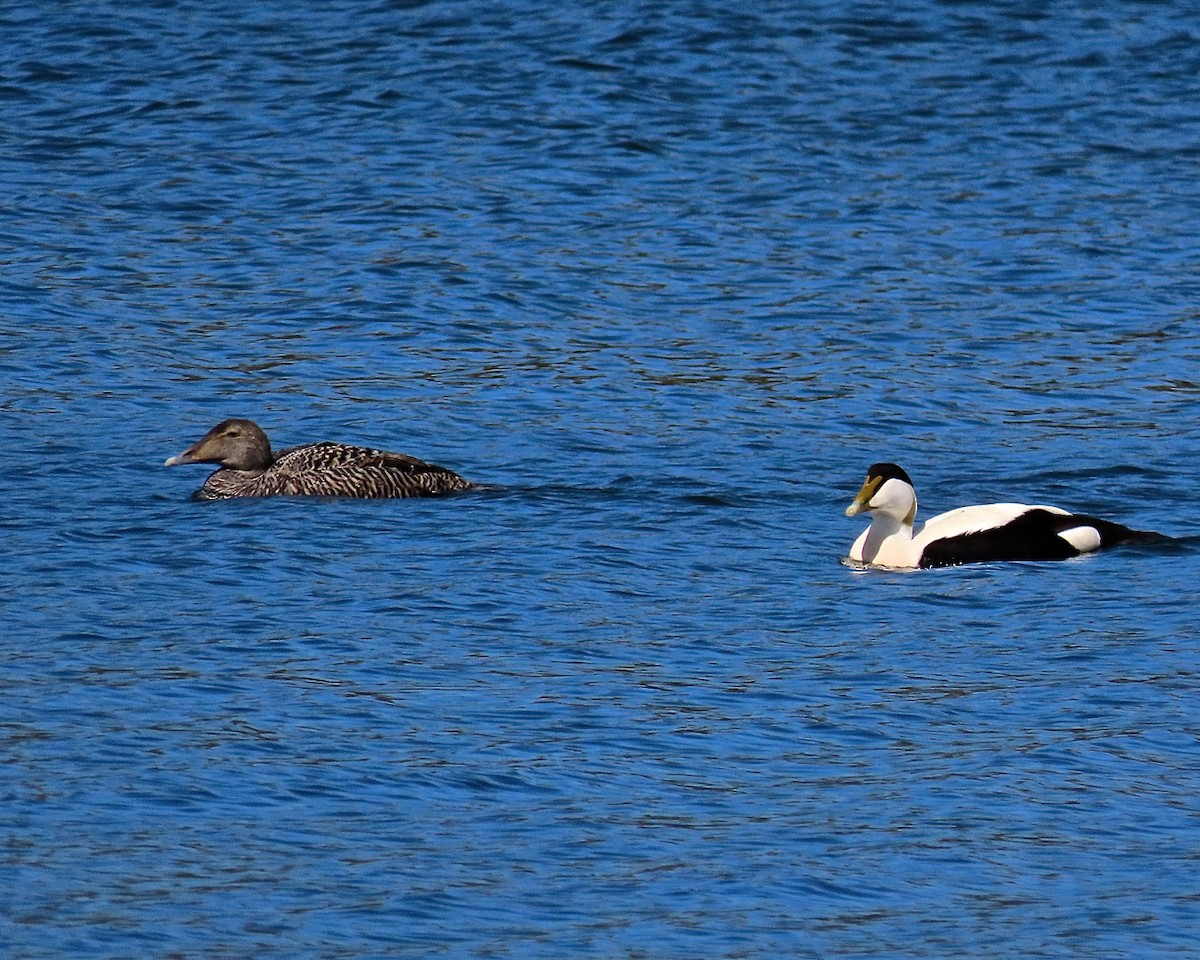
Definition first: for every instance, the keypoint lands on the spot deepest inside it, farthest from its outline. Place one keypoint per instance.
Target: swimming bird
(994, 531)
(248, 468)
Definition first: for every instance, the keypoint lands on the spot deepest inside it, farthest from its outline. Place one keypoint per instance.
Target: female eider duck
(994, 531)
(248, 468)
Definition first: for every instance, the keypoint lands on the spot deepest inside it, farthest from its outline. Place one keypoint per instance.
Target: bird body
(248, 468)
(994, 531)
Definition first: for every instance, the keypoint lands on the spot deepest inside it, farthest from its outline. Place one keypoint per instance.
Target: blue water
(668, 277)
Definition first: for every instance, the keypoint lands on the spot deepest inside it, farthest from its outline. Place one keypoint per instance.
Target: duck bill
(188, 456)
(862, 502)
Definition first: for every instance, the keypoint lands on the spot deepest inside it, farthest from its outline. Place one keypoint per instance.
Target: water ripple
(665, 279)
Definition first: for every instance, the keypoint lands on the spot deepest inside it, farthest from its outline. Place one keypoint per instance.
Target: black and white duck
(994, 531)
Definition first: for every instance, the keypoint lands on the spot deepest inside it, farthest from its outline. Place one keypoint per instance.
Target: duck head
(234, 444)
(888, 492)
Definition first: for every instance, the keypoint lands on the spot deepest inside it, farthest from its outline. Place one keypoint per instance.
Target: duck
(247, 467)
(975, 534)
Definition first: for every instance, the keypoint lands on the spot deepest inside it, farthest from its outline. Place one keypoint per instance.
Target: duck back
(335, 470)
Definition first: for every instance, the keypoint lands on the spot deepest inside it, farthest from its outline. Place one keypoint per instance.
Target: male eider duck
(248, 468)
(994, 531)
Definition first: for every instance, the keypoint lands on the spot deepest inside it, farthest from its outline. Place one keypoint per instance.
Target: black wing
(1034, 535)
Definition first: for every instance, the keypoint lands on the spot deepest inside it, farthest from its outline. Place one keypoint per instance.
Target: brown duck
(248, 468)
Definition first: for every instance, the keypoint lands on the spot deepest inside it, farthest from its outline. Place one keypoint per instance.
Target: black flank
(1031, 536)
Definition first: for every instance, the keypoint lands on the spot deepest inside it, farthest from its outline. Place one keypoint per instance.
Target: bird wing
(324, 456)
(339, 469)
(975, 519)
(1016, 532)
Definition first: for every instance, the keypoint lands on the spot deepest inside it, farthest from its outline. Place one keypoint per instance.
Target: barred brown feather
(249, 469)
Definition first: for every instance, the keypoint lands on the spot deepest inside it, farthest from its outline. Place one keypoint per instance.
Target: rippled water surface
(666, 278)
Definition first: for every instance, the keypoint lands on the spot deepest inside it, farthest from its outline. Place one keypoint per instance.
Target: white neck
(886, 542)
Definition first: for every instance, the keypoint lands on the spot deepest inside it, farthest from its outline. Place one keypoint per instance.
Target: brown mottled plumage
(248, 468)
